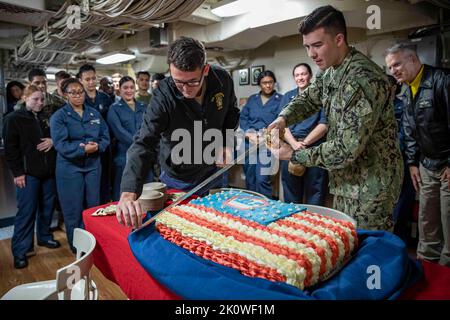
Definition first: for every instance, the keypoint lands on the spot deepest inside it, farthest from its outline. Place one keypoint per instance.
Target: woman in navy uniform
(31, 158)
(101, 102)
(311, 188)
(260, 110)
(80, 135)
(124, 120)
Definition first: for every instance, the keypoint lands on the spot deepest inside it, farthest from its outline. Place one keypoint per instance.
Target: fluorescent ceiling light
(116, 57)
(233, 8)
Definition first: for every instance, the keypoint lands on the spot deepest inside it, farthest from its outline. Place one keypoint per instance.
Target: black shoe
(20, 262)
(52, 244)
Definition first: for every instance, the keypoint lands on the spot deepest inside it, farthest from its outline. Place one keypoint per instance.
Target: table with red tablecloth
(114, 258)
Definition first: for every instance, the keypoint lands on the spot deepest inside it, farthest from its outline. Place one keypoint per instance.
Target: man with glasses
(195, 98)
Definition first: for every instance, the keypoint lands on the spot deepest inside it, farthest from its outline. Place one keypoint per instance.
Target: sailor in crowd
(124, 120)
(80, 136)
(260, 110)
(311, 187)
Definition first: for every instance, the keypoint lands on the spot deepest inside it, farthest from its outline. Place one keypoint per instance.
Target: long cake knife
(204, 183)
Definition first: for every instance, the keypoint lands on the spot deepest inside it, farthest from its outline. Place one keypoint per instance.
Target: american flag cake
(261, 238)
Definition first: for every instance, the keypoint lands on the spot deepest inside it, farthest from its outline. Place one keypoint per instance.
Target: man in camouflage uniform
(361, 152)
(52, 102)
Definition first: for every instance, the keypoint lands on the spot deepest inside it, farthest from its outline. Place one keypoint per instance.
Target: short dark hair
(125, 79)
(327, 17)
(158, 76)
(144, 73)
(107, 78)
(36, 72)
(9, 86)
(62, 75)
(67, 82)
(302, 64)
(85, 68)
(186, 54)
(266, 73)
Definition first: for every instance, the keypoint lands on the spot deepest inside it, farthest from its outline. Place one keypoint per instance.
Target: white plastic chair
(71, 280)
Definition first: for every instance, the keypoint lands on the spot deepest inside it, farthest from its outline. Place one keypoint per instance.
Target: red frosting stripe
(308, 243)
(331, 242)
(333, 227)
(274, 248)
(232, 260)
(343, 223)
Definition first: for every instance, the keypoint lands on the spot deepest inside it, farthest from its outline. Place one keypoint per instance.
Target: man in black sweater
(194, 99)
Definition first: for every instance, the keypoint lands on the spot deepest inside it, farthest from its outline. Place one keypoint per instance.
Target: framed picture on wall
(244, 77)
(256, 70)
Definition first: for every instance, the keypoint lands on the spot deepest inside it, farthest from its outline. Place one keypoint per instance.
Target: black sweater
(169, 111)
(22, 132)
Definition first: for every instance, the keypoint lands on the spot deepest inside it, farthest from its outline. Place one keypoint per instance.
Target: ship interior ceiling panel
(49, 33)
(39, 36)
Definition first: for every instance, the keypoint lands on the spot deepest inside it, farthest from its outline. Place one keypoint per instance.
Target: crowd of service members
(68, 148)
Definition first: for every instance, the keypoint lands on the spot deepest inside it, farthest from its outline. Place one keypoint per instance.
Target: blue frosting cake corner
(247, 206)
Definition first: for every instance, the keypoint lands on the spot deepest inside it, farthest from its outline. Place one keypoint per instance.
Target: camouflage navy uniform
(361, 152)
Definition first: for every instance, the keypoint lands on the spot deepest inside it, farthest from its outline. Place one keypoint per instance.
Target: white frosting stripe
(294, 274)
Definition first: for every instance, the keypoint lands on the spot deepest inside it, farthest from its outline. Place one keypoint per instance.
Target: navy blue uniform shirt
(68, 130)
(124, 123)
(256, 116)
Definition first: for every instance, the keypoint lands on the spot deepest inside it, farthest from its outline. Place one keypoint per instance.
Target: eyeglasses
(75, 93)
(191, 83)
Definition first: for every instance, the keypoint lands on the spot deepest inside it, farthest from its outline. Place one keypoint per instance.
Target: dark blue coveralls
(77, 173)
(123, 123)
(256, 116)
(101, 103)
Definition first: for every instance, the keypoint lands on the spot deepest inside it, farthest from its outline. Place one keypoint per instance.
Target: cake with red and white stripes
(261, 238)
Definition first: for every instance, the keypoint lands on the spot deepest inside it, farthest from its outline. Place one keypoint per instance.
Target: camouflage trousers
(369, 214)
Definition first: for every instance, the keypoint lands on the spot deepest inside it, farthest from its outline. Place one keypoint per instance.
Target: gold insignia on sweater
(218, 98)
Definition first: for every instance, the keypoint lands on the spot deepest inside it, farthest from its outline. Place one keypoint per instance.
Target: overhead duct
(158, 37)
(202, 16)
(103, 22)
(27, 13)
